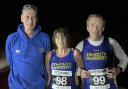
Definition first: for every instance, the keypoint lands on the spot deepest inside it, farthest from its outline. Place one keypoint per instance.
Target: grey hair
(95, 15)
(29, 7)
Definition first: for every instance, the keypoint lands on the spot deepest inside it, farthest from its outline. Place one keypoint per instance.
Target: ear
(103, 29)
(21, 18)
(37, 19)
(87, 28)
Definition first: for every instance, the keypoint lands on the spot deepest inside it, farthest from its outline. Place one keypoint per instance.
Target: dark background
(71, 14)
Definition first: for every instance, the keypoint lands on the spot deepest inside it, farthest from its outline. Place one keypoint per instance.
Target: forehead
(93, 20)
(59, 34)
(28, 12)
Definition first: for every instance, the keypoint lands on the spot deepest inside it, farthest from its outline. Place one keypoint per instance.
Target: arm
(83, 73)
(8, 51)
(47, 59)
(120, 54)
(123, 59)
(78, 58)
(80, 46)
(47, 44)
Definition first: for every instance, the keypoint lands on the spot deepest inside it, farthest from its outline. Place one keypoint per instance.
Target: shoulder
(45, 39)
(44, 35)
(80, 45)
(76, 52)
(12, 36)
(48, 55)
(112, 41)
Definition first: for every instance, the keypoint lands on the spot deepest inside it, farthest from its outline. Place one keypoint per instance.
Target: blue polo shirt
(26, 59)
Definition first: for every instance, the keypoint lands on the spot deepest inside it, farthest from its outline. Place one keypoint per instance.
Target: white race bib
(98, 79)
(61, 79)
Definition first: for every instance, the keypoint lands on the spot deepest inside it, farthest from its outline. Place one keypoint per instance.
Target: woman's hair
(64, 32)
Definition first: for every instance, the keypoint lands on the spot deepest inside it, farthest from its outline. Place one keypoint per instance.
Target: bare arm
(78, 58)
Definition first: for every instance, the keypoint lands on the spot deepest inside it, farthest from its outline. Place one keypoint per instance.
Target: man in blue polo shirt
(25, 51)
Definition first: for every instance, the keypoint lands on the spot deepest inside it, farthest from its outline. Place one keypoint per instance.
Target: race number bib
(98, 79)
(61, 79)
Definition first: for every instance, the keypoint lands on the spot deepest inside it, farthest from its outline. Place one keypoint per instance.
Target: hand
(85, 74)
(116, 71)
(113, 72)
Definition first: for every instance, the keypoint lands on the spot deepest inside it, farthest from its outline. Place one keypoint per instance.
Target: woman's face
(60, 40)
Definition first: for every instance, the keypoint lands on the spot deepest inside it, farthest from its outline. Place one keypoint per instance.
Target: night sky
(71, 14)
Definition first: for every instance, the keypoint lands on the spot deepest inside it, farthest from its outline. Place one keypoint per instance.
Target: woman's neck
(62, 52)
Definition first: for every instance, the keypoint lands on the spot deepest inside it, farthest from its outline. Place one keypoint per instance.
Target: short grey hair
(96, 15)
(29, 7)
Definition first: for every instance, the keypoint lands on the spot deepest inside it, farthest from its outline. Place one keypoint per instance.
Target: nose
(95, 27)
(30, 20)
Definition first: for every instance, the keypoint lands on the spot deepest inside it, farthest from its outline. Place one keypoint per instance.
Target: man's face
(29, 19)
(95, 27)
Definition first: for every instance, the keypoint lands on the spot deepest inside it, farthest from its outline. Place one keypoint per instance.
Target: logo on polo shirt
(41, 50)
(18, 51)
